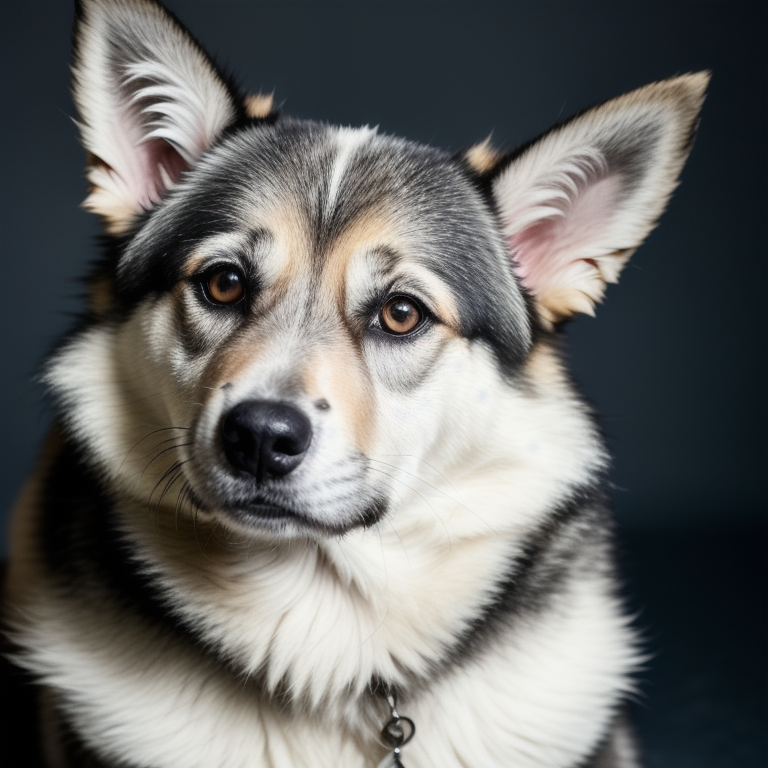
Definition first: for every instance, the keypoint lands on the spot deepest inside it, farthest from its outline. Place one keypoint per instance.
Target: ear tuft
(258, 105)
(577, 202)
(482, 157)
(151, 102)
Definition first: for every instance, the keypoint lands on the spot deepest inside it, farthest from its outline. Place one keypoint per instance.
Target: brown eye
(225, 286)
(400, 315)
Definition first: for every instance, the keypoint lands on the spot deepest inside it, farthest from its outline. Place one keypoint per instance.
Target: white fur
(349, 140)
(132, 692)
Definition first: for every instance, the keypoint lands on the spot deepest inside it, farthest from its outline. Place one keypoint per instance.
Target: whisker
(203, 547)
(153, 432)
(185, 496)
(171, 474)
(437, 490)
(402, 544)
(420, 479)
(434, 511)
(165, 450)
(425, 463)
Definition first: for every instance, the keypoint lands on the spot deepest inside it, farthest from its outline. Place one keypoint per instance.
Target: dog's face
(316, 319)
(303, 325)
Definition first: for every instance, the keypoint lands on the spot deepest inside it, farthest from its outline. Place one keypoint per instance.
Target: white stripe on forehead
(348, 140)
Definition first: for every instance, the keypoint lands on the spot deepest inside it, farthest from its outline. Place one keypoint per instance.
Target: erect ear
(576, 203)
(151, 102)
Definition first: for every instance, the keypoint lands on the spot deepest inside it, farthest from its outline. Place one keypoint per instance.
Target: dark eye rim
(203, 278)
(425, 316)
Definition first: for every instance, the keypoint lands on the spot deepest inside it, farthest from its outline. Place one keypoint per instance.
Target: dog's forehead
(333, 198)
(339, 183)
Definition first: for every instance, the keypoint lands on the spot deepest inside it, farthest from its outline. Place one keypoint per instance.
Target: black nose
(264, 438)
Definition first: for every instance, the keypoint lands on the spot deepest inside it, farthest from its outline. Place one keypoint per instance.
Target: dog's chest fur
(145, 689)
(315, 444)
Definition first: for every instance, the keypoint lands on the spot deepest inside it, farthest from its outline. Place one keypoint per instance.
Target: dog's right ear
(150, 100)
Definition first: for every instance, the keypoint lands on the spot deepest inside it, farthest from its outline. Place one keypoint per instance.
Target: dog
(320, 490)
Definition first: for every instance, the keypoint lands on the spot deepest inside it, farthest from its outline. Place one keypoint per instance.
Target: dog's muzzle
(266, 439)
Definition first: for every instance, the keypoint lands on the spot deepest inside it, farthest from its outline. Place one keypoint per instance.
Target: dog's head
(300, 324)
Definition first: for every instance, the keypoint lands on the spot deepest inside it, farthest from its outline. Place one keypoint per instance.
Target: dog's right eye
(400, 315)
(223, 285)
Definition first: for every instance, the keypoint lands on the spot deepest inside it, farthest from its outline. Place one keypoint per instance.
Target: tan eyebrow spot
(373, 230)
(282, 262)
(225, 242)
(370, 230)
(290, 256)
(193, 264)
(444, 302)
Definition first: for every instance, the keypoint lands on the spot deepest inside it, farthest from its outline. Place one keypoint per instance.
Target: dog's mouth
(270, 511)
(302, 502)
(258, 514)
(284, 520)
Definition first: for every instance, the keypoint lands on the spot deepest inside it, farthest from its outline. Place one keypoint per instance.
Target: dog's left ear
(151, 102)
(577, 202)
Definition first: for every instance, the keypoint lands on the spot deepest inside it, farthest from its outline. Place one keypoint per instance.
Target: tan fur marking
(288, 262)
(232, 360)
(193, 264)
(258, 105)
(684, 94)
(117, 216)
(560, 303)
(369, 230)
(376, 228)
(482, 157)
(100, 294)
(24, 566)
(557, 305)
(292, 244)
(338, 374)
(544, 367)
(443, 298)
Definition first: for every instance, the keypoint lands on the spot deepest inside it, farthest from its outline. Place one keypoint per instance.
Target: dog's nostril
(265, 438)
(287, 446)
(231, 433)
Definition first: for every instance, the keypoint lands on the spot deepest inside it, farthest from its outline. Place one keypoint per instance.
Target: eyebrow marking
(348, 140)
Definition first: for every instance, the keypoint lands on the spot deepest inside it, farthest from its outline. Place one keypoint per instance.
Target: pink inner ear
(147, 167)
(544, 251)
(159, 154)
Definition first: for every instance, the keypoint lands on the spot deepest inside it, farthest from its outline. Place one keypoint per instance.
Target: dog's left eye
(224, 285)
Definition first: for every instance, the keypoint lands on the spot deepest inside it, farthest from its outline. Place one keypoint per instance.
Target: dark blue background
(676, 359)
